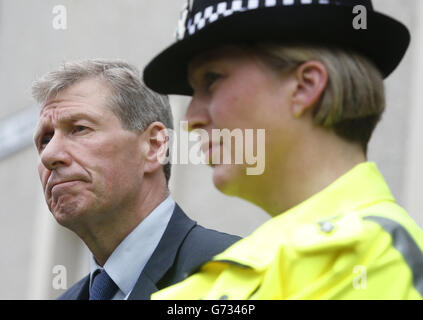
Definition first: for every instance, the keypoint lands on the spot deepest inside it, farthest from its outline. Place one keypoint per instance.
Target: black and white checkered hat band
(189, 26)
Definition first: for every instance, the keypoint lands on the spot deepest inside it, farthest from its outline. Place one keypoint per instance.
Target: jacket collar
(164, 256)
(357, 189)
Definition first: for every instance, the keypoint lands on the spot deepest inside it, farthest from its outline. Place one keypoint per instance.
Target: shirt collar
(360, 187)
(129, 258)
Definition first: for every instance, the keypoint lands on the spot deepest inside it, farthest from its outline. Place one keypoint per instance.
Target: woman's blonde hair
(354, 98)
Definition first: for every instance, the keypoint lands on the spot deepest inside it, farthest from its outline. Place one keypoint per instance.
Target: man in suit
(100, 142)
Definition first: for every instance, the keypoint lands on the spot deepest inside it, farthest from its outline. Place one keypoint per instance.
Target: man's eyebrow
(75, 116)
(63, 118)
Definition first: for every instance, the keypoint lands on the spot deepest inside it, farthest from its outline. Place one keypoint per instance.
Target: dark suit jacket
(183, 247)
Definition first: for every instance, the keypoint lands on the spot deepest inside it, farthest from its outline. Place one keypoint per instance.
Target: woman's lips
(208, 151)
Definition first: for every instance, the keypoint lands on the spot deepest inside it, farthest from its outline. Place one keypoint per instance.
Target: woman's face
(234, 90)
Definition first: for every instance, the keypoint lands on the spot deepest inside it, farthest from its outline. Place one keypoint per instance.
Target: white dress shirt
(128, 260)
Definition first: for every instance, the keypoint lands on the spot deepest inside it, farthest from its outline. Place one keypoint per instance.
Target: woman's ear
(312, 78)
(156, 142)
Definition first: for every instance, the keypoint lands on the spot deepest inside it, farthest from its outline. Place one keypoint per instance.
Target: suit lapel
(164, 256)
(84, 293)
(143, 288)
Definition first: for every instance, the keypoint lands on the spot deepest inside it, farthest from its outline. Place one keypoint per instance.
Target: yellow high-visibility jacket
(349, 241)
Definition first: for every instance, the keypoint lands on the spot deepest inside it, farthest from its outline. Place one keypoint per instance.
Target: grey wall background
(32, 244)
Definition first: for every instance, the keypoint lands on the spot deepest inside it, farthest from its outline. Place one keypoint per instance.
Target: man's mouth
(65, 184)
(62, 184)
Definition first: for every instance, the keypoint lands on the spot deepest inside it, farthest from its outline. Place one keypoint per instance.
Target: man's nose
(197, 114)
(55, 154)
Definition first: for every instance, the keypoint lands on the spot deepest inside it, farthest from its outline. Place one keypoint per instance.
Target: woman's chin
(226, 178)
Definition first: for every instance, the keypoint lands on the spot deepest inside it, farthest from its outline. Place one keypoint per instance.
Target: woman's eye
(210, 78)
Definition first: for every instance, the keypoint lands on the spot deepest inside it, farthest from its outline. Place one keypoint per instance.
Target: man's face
(90, 168)
(233, 89)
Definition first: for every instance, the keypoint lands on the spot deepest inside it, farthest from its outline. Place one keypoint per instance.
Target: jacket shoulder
(206, 243)
(199, 246)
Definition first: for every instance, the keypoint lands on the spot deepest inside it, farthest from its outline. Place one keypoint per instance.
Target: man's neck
(103, 236)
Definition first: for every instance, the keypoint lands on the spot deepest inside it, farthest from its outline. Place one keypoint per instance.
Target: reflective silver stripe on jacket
(406, 245)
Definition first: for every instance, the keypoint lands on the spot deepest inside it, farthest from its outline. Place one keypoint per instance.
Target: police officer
(307, 74)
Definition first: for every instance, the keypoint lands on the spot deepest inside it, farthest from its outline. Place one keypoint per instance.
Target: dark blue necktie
(103, 287)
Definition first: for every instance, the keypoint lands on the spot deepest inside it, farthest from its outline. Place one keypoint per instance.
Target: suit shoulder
(202, 244)
(209, 239)
(202, 240)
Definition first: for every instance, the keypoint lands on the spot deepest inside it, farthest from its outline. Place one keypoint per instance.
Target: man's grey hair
(130, 100)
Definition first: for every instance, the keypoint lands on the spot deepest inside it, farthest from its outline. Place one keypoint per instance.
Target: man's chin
(67, 214)
(67, 218)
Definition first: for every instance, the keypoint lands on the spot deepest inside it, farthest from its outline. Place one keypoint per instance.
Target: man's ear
(312, 78)
(156, 141)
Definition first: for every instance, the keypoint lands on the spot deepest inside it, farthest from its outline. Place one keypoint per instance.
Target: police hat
(208, 24)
